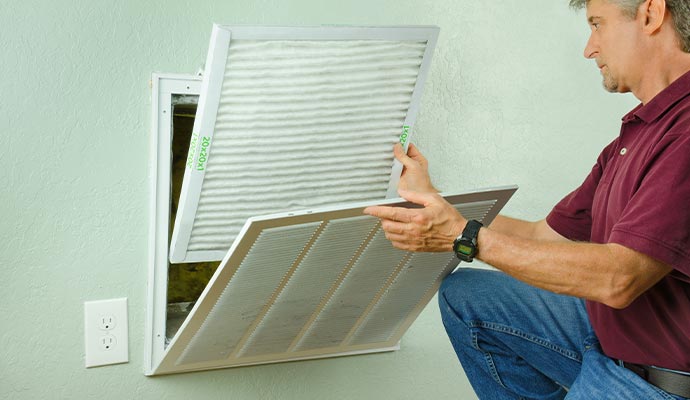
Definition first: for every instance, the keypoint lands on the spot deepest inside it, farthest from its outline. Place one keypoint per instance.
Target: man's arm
(532, 252)
(415, 177)
(608, 273)
(538, 230)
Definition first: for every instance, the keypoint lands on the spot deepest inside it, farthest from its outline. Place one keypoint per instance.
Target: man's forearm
(607, 273)
(530, 251)
(538, 230)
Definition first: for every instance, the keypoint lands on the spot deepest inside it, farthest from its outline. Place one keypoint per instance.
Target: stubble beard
(609, 82)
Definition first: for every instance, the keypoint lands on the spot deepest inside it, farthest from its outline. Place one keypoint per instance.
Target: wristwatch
(465, 246)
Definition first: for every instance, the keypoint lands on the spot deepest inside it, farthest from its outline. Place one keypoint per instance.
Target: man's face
(614, 45)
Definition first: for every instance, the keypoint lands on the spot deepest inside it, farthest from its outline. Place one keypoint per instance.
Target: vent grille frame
(164, 87)
(483, 205)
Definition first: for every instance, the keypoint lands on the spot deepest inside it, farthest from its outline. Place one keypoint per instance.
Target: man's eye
(595, 25)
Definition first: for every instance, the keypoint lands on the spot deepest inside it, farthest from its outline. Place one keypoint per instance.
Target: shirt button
(623, 151)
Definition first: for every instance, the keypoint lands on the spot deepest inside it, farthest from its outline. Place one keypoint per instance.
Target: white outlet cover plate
(105, 332)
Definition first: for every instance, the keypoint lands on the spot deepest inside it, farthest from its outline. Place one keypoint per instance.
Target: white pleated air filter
(296, 118)
(314, 284)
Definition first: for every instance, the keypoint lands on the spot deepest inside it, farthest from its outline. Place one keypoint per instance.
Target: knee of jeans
(461, 289)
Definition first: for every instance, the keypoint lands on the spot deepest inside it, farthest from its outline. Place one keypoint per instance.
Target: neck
(660, 72)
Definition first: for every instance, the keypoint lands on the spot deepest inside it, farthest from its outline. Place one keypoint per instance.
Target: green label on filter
(192, 150)
(404, 135)
(203, 153)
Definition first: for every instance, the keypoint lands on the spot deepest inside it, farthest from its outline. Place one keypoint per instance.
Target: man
(594, 300)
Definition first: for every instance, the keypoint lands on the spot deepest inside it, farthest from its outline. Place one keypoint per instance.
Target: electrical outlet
(105, 332)
(107, 342)
(106, 322)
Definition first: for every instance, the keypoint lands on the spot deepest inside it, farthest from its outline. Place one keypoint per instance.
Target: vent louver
(314, 284)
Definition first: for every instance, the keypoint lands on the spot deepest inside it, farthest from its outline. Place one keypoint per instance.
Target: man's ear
(652, 13)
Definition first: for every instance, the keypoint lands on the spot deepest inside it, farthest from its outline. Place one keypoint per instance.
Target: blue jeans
(519, 342)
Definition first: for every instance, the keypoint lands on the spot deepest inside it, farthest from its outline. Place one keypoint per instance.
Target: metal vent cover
(293, 118)
(314, 284)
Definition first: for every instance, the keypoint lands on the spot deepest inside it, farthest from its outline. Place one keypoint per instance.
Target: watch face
(464, 249)
(465, 246)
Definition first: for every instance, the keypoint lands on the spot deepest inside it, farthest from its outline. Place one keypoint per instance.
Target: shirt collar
(662, 101)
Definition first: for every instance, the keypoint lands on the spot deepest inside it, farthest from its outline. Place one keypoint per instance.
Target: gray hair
(679, 9)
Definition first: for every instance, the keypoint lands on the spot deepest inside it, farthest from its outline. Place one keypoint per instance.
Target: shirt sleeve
(656, 220)
(572, 216)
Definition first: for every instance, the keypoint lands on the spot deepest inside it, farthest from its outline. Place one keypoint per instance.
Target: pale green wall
(509, 100)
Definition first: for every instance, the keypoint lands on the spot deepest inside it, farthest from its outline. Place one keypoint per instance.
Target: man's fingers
(399, 214)
(396, 237)
(413, 151)
(421, 198)
(404, 159)
(394, 226)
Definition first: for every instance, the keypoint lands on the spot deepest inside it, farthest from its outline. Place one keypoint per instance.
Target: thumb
(401, 156)
(420, 198)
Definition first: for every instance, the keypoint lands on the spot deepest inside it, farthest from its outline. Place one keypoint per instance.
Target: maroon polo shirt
(638, 195)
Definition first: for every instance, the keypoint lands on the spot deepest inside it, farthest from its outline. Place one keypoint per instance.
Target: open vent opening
(186, 281)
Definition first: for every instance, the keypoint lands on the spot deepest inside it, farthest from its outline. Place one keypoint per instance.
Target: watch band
(465, 246)
(471, 230)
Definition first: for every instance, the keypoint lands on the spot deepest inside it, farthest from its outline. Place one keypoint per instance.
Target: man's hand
(432, 228)
(415, 175)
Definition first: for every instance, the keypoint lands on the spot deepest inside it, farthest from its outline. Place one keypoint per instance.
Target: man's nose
(591, 49)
